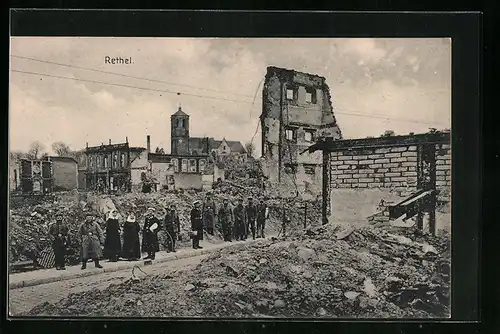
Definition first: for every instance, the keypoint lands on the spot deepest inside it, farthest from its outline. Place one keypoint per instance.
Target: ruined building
(296, 112)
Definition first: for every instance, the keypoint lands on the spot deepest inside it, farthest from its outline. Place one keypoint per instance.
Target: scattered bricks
(375, 165)
(440, 162)
(375, 156)
(344, 176)
(392, 184)
(350, 171)
(412, 148)
(411, 179)
(412, 159)
(360, 176)
(380, 179)
(377, 175)
(448, 177)
(345, 157)
(391, 165)
(440, 172)
(393, 155)
(409, 154)
(399, 159)
(382, 150)
(342, 167)
(448, 172)
(445, 146)
(351, 162)
(334, 158)
(351, 180)
(362, 185)
(409, 174)
(399, 149)
(408, 164)
(382, 170)
(448, 161)
(382, 161)
(399, 169)
(336, 172)
(440, 183)
(366, 170)
(366, 162)
(334, 154)
(360, 157)
(375, 185)
(442, 167)
(412, 168)
(337, 163)
(398, 179)
(366, 180)
(445, 157)
(392, 174)
(440, 178)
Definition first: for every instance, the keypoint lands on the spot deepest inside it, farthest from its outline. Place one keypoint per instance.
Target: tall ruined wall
(307, 119)
(65, 174)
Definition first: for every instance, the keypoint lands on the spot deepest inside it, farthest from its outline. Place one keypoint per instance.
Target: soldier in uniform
(196, 225)
(251, 212)
(58, 232)
(262, 215)
(172, 227)
(226, 219)
(240, 220)
(209, 213)
(92, 237)
(150, 235)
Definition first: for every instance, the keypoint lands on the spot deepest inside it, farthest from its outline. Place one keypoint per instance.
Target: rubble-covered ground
(324, 271)
(30, 219)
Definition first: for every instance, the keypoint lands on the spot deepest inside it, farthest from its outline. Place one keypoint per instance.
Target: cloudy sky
(376, 84)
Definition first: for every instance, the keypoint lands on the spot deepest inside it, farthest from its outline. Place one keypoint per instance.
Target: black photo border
(465, 31)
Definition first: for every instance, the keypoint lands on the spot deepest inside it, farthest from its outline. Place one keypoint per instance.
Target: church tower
(179, 123)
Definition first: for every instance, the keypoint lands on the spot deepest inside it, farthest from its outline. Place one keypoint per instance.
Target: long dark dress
(131, 245)
(150, 242)
(112, 244)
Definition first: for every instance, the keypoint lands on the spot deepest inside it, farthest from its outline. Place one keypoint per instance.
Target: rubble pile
(326, 271)
(29, 225)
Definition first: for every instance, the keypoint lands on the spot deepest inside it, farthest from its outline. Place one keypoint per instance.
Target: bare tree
(159, 150)
(62, 149)
(388, 133)
(250, 149)
(36, 151)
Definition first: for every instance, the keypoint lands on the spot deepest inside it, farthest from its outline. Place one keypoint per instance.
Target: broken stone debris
(350, 281)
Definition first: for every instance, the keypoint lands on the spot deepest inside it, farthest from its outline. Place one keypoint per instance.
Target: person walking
(239, 220)
(209, 214)
(262, 216)
(225, 216)
(131, 246)
(251, 214)
(112, 244)
(58, 232)
(196, 225)
(150, 235)
(92, 237)
(172, 228)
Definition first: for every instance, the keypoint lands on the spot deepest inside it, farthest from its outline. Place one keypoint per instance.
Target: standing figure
(251, 212)
(262, 215)
(131, 245)
(196, 225)
(59, 234)
(209, 212)
(240, 220)
(172, 227)
(112, 244)
(150, 234)
(92, 237)
(225, 216)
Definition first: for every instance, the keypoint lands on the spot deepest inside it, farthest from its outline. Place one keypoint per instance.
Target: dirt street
(24, 299)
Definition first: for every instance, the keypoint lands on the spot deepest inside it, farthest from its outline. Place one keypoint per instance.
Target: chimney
(148, 143)
(126, 140)
(110, 141)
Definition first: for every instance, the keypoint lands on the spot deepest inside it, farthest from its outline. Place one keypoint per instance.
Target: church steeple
(179, 123)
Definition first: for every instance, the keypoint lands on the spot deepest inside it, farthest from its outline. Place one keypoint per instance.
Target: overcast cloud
(402, 85)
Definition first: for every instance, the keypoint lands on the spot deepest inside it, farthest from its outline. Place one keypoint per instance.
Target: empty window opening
(289, 94)
(309, 136)
(290, 168)
(192, 166)
(175, 162)
(202, 165)
(184, 165)
(311, 95)
(290, 134)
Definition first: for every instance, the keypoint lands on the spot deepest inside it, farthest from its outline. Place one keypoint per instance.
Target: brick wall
(387, 167)
(65, 174)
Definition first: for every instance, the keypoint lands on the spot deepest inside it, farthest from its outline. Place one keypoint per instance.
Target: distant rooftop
(179, 112)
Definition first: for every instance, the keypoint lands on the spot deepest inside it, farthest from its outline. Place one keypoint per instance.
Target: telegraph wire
(378, 116)
(126, 76)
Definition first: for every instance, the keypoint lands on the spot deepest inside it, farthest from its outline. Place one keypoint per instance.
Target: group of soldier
(235, 223)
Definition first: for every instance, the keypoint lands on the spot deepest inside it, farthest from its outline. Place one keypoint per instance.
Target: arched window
(202, 163)
(184, 165)
(175, 163)
(192, 166)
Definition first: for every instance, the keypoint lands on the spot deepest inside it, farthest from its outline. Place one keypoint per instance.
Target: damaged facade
(296, 112)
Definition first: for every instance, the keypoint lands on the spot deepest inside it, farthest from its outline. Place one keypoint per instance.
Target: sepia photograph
(247, 178)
